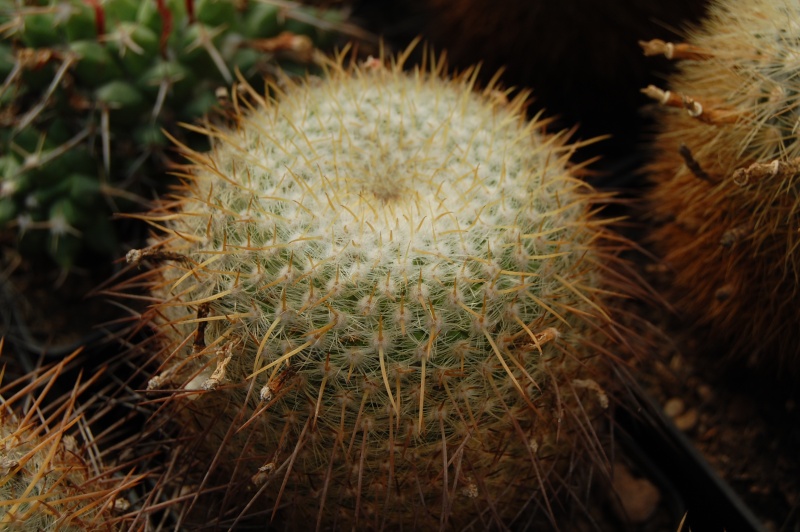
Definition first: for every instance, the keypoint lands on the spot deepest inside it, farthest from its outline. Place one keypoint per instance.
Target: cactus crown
(394, 284)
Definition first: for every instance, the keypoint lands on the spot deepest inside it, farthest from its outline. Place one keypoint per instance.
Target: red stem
(190, 10)
(166, 26)
(99, 16)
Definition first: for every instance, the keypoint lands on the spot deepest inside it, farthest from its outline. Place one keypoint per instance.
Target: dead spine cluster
(383, 293)
(726, 175)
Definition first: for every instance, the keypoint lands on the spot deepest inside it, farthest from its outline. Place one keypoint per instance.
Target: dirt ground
(744, 422)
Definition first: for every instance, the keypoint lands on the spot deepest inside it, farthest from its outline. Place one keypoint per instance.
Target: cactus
(382, 301)
(725, 200)
(48, 480)
(87, 87)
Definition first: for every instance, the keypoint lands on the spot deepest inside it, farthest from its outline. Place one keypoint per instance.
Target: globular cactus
(725, 200)
(48, 479)
(383, 301)
(87, 87)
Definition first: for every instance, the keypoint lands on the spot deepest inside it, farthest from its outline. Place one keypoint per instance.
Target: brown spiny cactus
(726, 170)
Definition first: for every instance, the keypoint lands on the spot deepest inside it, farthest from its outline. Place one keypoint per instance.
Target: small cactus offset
(383, 302)
(48, 480)
(87, 87)
(726, 170)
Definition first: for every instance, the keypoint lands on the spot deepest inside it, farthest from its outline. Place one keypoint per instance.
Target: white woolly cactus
(382, 301)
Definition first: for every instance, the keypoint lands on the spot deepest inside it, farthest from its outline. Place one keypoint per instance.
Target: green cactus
(87, 87)
(384, 302)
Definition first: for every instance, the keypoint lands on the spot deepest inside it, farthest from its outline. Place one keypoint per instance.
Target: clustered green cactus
(383, 301)
(725, 202)
(87, 87)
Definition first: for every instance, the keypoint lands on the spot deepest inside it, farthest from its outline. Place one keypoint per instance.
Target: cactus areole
(380, 304)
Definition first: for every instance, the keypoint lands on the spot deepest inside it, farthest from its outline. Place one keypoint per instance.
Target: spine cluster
(726, 176)
(383, 301)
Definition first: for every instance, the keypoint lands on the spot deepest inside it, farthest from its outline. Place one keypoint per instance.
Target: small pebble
(709, 434)
(638, 497)
(674, 407)
(705, 392)
(686, 421)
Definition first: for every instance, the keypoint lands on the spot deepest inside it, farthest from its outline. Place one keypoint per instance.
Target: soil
(744, 422)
